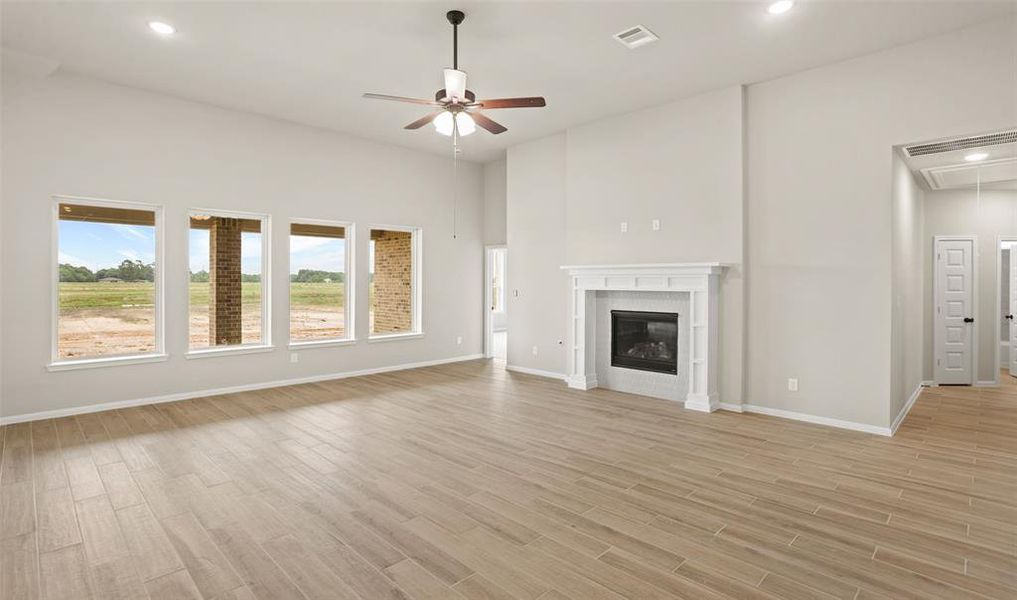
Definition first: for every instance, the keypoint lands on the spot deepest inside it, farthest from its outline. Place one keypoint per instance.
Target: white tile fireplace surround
(690, 289)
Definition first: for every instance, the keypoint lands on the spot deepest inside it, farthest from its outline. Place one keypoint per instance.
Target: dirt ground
(115, 331)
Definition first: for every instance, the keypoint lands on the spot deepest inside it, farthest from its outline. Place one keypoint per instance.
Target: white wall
(680, 163)
(538, 289)
(908, 270)
(70, 135)
(819, 219)
(494, 202)
(959, 212)
(817, 216)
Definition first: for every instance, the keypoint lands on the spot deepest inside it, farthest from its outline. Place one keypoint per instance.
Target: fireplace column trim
(700, 280)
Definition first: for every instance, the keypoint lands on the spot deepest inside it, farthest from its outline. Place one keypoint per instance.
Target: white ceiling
(309, 62)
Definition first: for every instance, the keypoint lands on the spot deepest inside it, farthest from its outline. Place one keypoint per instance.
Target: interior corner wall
(538, 289)
(494, 203)
(819, 217)
(963, 212)
(68, 134)
(907, 337)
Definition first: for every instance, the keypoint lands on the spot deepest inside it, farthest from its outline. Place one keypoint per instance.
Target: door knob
(969, 319)
(1010, 317)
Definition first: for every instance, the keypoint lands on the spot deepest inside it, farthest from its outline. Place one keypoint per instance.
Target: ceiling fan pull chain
(455, 183)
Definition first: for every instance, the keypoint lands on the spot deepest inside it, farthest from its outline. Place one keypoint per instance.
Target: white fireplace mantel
(700, 280)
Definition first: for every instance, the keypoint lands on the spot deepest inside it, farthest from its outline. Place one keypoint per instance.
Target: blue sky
(103, 245)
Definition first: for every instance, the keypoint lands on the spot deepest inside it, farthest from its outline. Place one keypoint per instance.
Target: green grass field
(120, 295)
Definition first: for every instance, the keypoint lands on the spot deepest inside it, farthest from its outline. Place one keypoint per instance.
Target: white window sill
(395, 337)
(228, 351)
(321, 344)
(113, 361)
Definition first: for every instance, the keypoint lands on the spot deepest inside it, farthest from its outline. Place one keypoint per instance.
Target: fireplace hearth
(647, 341)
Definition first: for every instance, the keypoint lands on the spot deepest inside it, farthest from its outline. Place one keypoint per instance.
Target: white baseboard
(987, 383)
(537, 372)
(702, 402)
(806, 418)
(731, 407)
(80, 410)
(581, 382)
(906, 408)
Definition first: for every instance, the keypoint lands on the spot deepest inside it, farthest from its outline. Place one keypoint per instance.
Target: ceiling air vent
(991, 139)
(635, 37)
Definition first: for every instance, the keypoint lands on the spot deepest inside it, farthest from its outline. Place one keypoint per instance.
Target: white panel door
(954, 311)
(1012, 310)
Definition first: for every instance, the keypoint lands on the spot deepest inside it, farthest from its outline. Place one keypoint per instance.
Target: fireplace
(647, 341)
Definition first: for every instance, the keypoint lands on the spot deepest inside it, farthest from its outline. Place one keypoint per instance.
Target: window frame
(416, 270)
(349, 285)
(265, 345)
(158, 354)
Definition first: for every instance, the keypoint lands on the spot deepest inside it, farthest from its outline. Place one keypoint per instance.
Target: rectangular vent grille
(992, 139)
(636, 36)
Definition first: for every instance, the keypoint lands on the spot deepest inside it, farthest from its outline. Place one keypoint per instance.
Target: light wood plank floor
(464, 481)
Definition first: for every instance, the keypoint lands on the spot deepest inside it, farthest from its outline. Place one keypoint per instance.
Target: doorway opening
(495, 306)
(954, 223)
(1006, 307)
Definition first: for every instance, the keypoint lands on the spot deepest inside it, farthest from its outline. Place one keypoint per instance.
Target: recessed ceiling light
(780, 7)
(162, 28)
(976, 156)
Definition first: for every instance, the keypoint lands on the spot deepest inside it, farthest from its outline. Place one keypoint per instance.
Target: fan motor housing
(441, 96)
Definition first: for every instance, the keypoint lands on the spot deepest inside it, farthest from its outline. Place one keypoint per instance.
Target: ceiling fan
(458, 108)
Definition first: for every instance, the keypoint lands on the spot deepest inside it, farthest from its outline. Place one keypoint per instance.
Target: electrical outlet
(792, 384)
(534, 350)
(459, 340)
(655, 224)
(624, 227)
(294, 357)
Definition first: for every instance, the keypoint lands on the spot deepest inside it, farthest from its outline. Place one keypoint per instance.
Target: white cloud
(250, 245)
(129, 254)
(75, 261)
(303, 243)
(130, 232)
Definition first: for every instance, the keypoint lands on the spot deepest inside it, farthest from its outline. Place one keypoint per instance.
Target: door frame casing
(1000, 239)
(488, 316)
(974, 302)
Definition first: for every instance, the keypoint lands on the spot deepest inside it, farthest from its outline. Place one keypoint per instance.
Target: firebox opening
(647, 341)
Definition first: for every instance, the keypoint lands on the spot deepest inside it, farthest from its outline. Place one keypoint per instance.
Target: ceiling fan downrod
(455, 17)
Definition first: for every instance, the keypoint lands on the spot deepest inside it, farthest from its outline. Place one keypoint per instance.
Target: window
(228, 299)
(108, 296)
(320, 298)
(394, 294)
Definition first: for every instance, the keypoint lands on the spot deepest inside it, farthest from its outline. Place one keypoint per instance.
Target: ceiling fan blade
(488, 124)
(531, 102)
(423, 120)
(401, 99)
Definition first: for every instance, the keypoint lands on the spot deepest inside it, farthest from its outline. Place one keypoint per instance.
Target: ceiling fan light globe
(444, 123)
(455, 84)
(465, 124)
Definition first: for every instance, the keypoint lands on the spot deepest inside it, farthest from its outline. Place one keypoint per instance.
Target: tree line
(129, 270)
(135, 270)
